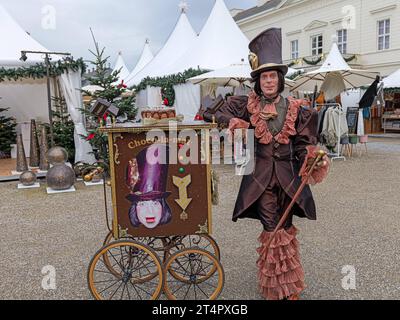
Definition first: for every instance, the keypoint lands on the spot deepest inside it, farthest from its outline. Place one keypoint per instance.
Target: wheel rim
(203, 242)
(149, 242)
(136, 273)
(193, 266)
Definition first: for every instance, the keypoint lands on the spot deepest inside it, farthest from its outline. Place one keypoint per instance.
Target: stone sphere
(57, 155)
(60, 177)
(27, 178)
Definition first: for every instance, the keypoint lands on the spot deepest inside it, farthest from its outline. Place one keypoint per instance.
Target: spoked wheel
(201, 241)
(157, 244)
(196, 280)
(204, 242)
(109, 238)
(136, 272)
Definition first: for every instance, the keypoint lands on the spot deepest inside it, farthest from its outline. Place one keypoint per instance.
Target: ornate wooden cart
(160, 239)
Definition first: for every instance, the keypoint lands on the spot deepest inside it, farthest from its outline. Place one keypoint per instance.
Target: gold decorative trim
(118, 135)
(113, 188)
(203, 228)
(122, 233)
(117, 154)
(208, 169)
(139, 129)
(253, 60)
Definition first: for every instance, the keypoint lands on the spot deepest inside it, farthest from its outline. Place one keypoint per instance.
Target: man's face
(269, 82)
(149, 213)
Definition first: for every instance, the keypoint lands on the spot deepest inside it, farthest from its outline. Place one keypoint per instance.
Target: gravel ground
(358, 208)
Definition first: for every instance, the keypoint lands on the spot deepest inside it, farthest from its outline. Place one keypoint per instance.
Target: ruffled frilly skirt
(280, 272)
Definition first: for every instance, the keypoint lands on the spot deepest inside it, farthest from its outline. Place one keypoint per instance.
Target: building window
(384, 34)
(317, 45)
(294, 49)
(342, 40)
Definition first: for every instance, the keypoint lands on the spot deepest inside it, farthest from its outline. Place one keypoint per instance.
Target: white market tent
(177, 44)
(27, 98)
(143, 61)
(121, 66)
(335, 76)
(220, 44)
(392, 81)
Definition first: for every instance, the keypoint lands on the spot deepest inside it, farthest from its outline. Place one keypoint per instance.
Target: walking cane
(321, 154)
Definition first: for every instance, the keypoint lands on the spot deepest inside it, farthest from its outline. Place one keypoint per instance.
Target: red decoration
(122, 85)
(198, 118)
(166, 102)
(105, 116)
(90, 136)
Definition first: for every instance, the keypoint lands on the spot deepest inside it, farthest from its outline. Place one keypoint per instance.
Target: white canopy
(393, 80)
(234, 75)
(335, 75)
(121, 66)
(14, 39)
(230, 76)
(219, 44)
(143, 61)
(26, 98)
(177, 44)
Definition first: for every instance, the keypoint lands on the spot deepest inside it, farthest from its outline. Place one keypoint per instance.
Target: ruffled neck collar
(259, 121)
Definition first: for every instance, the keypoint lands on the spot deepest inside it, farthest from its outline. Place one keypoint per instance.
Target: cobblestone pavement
(358, 223)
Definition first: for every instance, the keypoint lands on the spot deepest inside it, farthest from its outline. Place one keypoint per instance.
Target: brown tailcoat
(286, 160)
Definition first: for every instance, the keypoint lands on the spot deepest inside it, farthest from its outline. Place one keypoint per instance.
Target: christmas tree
(113, 92)
(8, 135)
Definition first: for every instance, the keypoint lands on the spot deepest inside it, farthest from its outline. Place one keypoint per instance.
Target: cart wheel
(108, 238)
(156, 244)
(194, 267)
(136, 272)
(201, 241)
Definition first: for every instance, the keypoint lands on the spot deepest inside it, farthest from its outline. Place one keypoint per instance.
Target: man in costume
(286, 138)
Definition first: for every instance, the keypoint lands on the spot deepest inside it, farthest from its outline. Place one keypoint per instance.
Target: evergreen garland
(8, 135)
(167, 83)
(391, 90)
(39, 71)
(312, 62)
(351, 58)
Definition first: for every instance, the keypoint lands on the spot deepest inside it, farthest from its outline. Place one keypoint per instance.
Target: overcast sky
(118, 24)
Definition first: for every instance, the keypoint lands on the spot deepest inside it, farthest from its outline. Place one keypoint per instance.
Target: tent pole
(47, 60)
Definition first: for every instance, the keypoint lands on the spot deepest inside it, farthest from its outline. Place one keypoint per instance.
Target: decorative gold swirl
(253, 60)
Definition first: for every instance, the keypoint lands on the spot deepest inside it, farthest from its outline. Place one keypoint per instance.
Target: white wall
(26, 101)
(300, 20)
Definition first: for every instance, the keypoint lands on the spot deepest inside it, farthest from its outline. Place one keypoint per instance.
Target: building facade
(367, 31)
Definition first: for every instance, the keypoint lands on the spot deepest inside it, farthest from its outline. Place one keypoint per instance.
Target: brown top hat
(266, 52)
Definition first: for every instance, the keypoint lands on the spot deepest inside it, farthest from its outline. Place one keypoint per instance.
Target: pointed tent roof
(120, 65)
(219, 44)
(14, 39)
(393, 80)
(334, 75)
(177, 44)
(334, 61)
(144, 59)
